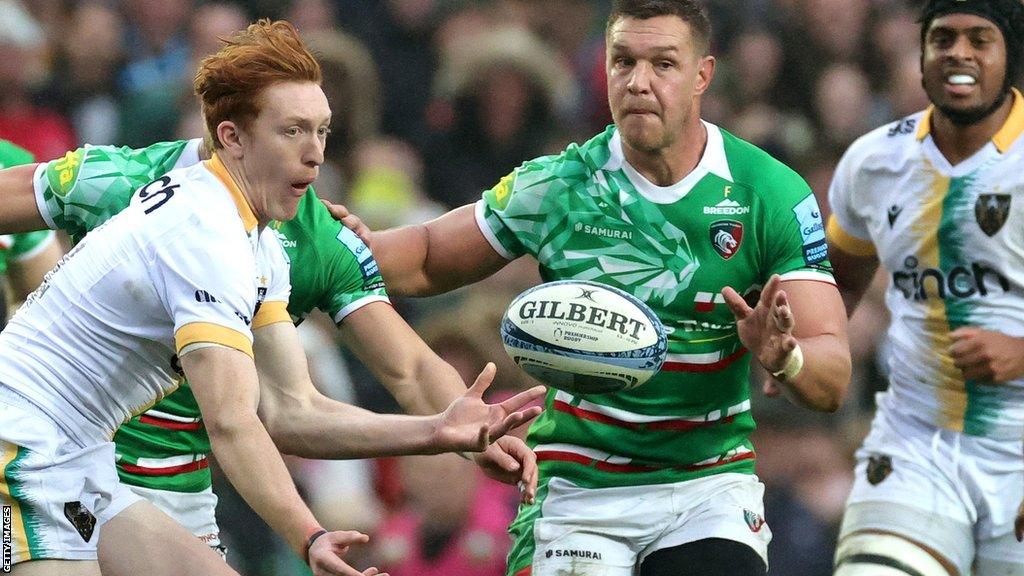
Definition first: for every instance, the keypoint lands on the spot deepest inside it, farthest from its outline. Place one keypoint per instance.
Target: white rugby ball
(583, 337)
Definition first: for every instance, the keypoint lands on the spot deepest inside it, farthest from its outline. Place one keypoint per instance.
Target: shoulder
(756, 169)
(548, 175)
(889, 144)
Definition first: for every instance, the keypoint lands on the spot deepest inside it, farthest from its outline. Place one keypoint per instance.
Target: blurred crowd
(434, 101)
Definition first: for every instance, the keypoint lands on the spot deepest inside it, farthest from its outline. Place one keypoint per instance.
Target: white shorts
(56, 494)
(955, 493)
(611, 530)
(193, 510)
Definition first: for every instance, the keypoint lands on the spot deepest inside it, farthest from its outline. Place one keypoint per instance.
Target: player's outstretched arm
(18, 211)
(853, 275)
(798, 335)
(225, 386)
(423, 383)
(306, 423)
(432, 258)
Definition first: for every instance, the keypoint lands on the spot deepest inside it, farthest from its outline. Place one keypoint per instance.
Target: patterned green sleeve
(519, 213)
(331, 268)
(797, 233)
(87, 186)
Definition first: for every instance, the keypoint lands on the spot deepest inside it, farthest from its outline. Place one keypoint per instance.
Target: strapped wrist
(793, 365)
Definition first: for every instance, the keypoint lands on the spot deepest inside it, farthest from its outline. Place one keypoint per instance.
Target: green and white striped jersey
(166, 447)
(738, 218)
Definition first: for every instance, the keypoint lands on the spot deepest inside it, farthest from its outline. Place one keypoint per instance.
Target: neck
(238, 174)
(958, 142)
(668, 165)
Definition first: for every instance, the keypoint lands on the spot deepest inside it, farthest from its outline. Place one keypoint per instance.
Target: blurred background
(435, 101)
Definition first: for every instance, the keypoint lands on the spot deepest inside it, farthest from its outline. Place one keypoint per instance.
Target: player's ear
(705, 72)
(230, 137)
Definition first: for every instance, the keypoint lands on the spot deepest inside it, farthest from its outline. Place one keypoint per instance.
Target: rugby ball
(583, 337)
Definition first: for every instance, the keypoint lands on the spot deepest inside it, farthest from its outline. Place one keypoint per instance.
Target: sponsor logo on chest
(603, 232)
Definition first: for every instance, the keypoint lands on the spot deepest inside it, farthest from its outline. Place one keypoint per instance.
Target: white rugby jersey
(951, 239)
(185, 263)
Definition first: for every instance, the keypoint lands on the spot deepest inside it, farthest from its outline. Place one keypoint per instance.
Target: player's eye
(293, 131)
(323, 131)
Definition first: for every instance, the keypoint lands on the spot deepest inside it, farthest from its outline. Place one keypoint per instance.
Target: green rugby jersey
(18, 246)
(166, 447)
(586, 214)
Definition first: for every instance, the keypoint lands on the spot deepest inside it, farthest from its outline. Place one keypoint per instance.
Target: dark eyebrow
(616, 47)
(971, 30)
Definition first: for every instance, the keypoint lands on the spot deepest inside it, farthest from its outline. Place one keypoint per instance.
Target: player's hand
(511, 461)
(340, 213)
(1018, 524)
(767, 328)
(326, 552)
(470, 424)
(986, 356)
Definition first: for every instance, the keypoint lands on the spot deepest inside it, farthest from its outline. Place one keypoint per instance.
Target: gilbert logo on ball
(584, 337)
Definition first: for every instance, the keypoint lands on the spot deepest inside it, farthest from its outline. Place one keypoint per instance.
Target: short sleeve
(847, 230)
(209, 294)
(514, 215)
(795, 232)
(353, 277)
(86, 187)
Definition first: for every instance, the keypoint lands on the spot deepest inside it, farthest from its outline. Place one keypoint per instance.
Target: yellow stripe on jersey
(218, 169)
(19, 538)
(271, 313)
(214, 333)
(1013, 126)
(949, 383)
(1004, 138)
(844, 241)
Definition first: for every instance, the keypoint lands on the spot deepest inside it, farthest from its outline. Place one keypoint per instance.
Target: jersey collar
(1004, 138)
(218, 169)
(713, 161)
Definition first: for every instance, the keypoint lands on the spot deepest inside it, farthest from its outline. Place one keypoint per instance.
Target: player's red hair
(229, 82)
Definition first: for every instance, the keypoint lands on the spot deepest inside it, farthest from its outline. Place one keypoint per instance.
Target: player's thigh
(575, 530)
(907, 482)
(727, 507)
(57, 568)
(55, 495)
(996, 473)
(196, 511)
(708, 557)
(144, 540)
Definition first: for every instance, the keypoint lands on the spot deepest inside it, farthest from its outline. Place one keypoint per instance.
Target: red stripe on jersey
(587, 461)
(165, 471)
(169, 424)
(525, 571)
(704, 306)
(736, 458)
(558, 456)
(714, 366)
(674, 425)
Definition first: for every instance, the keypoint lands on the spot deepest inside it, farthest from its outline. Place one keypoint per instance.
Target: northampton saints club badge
(726, 236)
(879, 468)
(991, 211)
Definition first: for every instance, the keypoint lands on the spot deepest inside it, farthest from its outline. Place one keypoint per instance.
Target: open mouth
(301, 186)
(960, 83)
